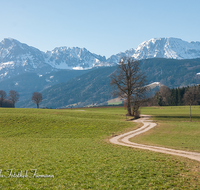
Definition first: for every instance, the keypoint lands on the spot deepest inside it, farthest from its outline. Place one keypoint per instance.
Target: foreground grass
(71, 145)
(174, 128)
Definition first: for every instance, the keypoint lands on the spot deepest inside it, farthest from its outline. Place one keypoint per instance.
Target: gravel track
(123, 140)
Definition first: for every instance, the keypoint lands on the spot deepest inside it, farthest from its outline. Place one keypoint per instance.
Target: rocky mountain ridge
(17, 58)
(171, 48)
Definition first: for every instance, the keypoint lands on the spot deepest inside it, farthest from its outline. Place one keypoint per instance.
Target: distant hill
(90, 88)
(27, 83)
(93, 88)
(172, 72)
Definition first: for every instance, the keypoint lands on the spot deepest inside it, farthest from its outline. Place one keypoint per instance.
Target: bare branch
(37, 98)
(129, 82)
(13, 97)
(2, 97)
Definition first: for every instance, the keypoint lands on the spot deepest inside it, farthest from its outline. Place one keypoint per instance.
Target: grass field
(174, 128)
(115, 103)
(71, 146)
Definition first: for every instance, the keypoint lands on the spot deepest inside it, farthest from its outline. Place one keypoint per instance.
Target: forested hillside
(27, 83)
(172, 72)
(93, 88)
(90, 88)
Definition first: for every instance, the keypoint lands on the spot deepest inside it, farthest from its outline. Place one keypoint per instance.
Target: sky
(104, 27)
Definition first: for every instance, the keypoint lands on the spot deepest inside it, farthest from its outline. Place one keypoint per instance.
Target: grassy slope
(174, 129)
(70, 144)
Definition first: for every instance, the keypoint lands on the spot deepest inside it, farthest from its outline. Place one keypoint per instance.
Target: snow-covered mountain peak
(17, 57)
(12, 43)
(9, 41)
(174, 48)
(73, 58)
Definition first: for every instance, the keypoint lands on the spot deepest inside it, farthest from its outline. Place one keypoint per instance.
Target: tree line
(176, 96)
(9, 101)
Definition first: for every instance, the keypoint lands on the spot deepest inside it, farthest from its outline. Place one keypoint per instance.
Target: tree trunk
(129, 105)
(190, 114)
(37, 105)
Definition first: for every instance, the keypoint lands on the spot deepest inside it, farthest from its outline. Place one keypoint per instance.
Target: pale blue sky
(104, 27)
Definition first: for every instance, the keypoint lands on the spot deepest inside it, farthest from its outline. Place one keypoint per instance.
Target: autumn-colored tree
(37, 98)
(13, 97)
(2, 97)
(128, 82)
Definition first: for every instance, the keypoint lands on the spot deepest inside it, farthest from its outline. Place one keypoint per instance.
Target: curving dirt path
(123, 140)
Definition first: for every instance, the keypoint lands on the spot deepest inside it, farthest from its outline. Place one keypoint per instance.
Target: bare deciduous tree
(129, 82)
(192, 97)
(166, 94)
(13, 96)
(2, 97)
(163, 96)
(37, 98)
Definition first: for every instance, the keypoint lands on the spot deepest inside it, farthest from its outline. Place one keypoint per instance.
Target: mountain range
(26, 69)
(17, 58)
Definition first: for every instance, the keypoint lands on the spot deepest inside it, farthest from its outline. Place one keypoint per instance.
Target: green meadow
(70, 149)
(174, 129)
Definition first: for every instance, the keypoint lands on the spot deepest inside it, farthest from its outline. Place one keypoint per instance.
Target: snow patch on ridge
(154, 84)
(77, 68)
(7, 65)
